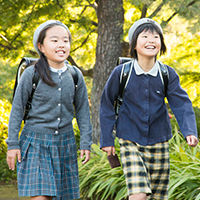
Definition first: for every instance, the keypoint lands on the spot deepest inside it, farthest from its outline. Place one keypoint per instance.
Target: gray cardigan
(52, 108)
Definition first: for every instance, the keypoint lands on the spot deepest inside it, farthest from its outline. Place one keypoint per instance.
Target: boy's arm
(181, 106)
(109, 150)
(192, 140)
(107, 111)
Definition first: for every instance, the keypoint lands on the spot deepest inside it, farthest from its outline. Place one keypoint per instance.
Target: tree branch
(175, 13)
(157, 9)
(59, 4)
(25, 24)
(93, 5)
(84, 41)
(144, 10)
(92, 22)
(7, 47)
(88, 72)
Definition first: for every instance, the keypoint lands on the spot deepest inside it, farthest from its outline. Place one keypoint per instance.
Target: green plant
(98, 181)
(184, 169)
(5, 174)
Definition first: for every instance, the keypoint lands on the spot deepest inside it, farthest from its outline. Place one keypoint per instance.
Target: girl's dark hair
(146, 27)
(42, 65)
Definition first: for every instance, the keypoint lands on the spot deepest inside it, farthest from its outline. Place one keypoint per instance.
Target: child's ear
(40, 47)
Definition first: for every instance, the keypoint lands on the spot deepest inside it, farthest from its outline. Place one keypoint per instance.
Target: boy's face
(148, 44)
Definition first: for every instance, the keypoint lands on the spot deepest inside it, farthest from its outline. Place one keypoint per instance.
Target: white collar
(63, 69)
(152, 72)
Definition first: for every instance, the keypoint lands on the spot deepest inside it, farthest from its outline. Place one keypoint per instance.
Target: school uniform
(143, 119)
(47, 143)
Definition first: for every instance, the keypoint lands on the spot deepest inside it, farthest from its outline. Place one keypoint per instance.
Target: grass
(10, 192)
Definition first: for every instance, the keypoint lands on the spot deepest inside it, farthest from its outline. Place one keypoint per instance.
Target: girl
(143, 125)
(46, 151)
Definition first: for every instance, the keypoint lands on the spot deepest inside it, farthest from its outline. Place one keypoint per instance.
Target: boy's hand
(87, 156)
(109, 150)
(11, 155)
(192, 140)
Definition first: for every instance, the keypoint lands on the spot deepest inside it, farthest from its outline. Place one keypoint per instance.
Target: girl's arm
(11, 155)
(17, 112)
(83, 114)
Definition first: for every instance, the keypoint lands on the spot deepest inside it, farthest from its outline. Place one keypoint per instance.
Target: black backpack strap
(35, 81)
(124, 78)
(74, 74)
(165, 75)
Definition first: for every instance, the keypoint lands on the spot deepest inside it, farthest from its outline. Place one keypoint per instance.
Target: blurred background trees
(99, 36)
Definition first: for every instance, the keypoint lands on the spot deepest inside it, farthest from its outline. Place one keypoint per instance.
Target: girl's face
(148, 44)
(56, 46)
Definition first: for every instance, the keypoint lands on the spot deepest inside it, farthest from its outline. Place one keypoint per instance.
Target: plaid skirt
(146, 168)
(49, 166)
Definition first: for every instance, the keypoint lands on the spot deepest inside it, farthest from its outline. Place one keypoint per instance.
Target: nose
(152, 39)
(61, 45)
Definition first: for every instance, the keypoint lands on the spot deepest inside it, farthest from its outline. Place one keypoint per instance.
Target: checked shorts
(146, 168)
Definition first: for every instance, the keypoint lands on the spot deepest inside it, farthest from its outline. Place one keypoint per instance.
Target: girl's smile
(56, 46)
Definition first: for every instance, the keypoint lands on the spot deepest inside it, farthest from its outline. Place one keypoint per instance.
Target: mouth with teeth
(150, 47)
(60, 52)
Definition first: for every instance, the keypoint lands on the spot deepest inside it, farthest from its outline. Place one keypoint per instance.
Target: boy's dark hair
(42, 65)
(146, 27)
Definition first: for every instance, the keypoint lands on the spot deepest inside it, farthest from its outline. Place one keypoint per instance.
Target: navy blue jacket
(143, 116)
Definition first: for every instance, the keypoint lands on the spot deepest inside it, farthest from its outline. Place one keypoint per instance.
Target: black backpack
(124, 78)
(26, 62)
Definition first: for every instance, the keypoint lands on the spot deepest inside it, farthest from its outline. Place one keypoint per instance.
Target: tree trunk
(109, 47)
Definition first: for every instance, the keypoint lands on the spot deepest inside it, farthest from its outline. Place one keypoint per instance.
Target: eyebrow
(54, 36)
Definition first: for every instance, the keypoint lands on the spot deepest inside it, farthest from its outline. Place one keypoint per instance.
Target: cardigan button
(56, 132)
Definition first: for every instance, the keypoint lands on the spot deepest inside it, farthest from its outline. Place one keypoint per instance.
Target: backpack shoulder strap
(74, 74)
(165, 75)
(124, 78)
(35, 81)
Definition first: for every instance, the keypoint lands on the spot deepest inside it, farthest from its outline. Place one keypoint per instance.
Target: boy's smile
(148, 44)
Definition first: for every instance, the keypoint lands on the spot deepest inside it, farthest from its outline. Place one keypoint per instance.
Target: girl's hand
(11, 155)
(192, 140)
(87, 156)
(109, 150)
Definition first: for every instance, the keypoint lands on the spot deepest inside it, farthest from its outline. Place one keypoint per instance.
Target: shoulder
(116, 71)
(27, 74)
(172, 71)
(28, 71)
(172, 74)
(76, 75)
(74, 69)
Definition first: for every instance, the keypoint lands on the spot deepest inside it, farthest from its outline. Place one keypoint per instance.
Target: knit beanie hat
(41, 27)
(141, 22)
